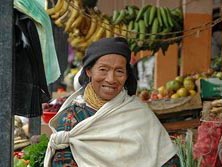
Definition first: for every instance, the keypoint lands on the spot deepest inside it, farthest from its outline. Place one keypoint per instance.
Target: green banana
(169, 17)
(135, 29)
(130, 25)
(141, 12)
(115, 15)
(130, 28)
(164, 17)
(177, 12)
(154, 29)
(142, 32)
(159, 17)
(152, 15)
(131, 12)
(177, 26)
(120, 17)
(146, 17)
(177, 15)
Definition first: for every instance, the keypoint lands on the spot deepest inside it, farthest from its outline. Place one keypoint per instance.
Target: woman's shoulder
(138, 105)
(137, 101)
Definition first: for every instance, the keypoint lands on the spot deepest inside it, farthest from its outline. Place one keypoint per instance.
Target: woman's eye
(120, 71)
(102, 69)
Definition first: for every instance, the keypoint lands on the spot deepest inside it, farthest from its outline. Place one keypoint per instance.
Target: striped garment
(70, 117)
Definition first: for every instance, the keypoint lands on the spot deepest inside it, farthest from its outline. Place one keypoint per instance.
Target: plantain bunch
(149, 27)
(144, 28)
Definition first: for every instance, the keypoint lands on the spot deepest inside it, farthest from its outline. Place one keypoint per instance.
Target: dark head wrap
(102, 47)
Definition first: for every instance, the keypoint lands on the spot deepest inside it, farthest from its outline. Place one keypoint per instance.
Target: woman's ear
(88, 73)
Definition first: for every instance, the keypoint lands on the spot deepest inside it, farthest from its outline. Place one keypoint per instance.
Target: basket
(46, 116)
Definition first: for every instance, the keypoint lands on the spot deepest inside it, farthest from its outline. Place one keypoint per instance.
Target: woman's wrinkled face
(108, 75)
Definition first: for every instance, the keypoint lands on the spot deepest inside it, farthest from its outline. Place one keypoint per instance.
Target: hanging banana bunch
(148, 25)
(143, 27)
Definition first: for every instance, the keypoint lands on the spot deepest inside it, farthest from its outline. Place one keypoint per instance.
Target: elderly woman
(103, 124)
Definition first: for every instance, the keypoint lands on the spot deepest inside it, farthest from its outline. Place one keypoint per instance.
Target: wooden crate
(178, 114)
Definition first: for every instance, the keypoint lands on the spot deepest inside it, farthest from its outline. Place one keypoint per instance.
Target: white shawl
(122, 133)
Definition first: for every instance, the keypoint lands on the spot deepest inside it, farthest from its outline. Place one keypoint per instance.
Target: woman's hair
(105, 46)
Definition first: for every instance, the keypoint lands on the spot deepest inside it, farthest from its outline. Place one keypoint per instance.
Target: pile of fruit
(145, 28)
(181, 86)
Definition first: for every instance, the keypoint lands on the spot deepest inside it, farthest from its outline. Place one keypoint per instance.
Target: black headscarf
(102, 47)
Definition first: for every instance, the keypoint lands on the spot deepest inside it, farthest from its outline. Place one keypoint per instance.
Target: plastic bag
(206, 146)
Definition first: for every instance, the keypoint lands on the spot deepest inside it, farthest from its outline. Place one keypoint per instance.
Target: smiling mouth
(109, 88)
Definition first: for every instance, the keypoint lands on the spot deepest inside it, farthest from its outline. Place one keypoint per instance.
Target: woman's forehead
(111, 59)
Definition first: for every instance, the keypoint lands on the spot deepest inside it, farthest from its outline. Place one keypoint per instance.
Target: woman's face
(108, 75)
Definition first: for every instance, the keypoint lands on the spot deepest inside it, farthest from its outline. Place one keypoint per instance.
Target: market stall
(176, 34)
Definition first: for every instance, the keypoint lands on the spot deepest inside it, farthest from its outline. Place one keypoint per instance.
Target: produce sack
(206, 146)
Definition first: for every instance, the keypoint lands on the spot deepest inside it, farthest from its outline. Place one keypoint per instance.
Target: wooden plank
(182, 125)
(194, 113)
(166, 66)
(6, 82)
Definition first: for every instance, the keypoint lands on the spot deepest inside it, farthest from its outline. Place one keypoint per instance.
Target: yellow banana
(99, 33)
(116, 30)
(84, 26)
(74, 15)
(96, 36)
(61, 12)
(75, 41)
(60, 22)
(77, 21)
(108, 27)
(123, 28)
(56, 8)
(92, 27)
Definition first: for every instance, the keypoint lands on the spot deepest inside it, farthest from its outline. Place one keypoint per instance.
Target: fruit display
(182, 86)
(148, 27)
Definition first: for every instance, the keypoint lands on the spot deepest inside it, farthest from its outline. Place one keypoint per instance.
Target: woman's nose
(110, 77)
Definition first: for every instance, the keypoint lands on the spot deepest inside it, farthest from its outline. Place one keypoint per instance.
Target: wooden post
(166, 66)
(196, 49)
(6, 81)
